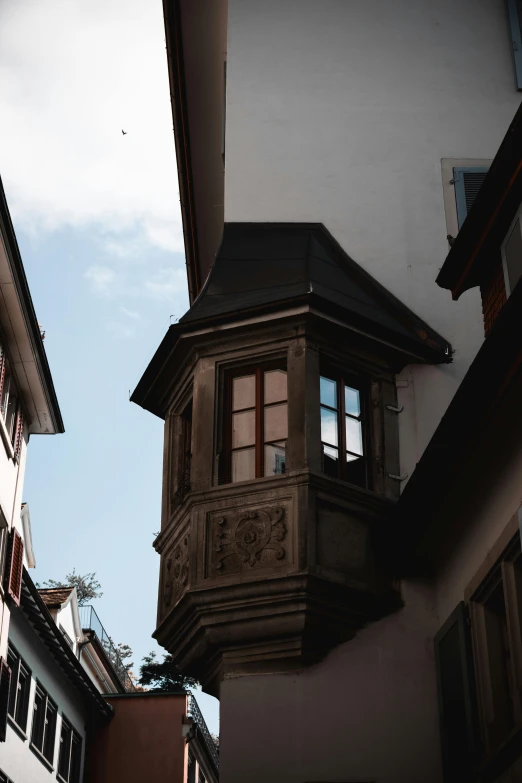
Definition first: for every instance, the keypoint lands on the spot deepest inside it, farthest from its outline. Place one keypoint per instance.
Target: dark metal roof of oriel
(260, 264)
(267, 267)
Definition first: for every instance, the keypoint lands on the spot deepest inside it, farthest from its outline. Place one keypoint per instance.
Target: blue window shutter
(467, 181)
(514, 12)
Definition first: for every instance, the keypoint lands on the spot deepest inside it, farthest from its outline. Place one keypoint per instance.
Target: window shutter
(19, 433)
(13, 566)
(467, 183)
(5, 686)
(457, 700)
(515, 15)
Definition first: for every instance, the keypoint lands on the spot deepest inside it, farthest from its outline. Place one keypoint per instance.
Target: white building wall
(340, 111)
(12, 475)
(17, 760)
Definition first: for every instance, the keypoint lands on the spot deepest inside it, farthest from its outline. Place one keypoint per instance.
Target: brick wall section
(493, 293)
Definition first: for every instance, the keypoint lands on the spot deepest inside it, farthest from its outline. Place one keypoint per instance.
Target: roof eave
(32, 328)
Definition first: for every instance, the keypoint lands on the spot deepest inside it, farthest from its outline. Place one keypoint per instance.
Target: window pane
(330, 461)
(275, 386)
(65, 750)
(243, 429)
(329, 426)
(37, 732)
(243, 392)
(76, 757)
(5, 392)
(356, 470)
(353, 436)
(328, 392)
(275, 459)
(50, 731)
(22, 701)
(276, 422)
(243, 465)
(10, 415)
(351, 401)
(12, 661)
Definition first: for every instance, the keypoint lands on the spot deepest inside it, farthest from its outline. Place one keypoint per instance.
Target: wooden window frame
(40, 752)
(361, 385)
(501, 571)
(259, 371)
(17, 664)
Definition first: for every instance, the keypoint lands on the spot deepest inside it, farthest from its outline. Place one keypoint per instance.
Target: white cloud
(101, 279)
(83, 72)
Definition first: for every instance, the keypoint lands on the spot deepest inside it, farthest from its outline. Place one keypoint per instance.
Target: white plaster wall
(366, 713)
(65, 618)
(17, 760)
(340, 111)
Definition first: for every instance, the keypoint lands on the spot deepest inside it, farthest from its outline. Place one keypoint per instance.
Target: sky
(97, 218)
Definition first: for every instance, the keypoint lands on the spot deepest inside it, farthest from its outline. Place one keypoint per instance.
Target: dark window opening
(70, 757)
(44, 724)
(186, 450)
(20, 687)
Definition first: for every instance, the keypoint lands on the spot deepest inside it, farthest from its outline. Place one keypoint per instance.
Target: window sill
(7, 440)
(40, 756)
(17, 729)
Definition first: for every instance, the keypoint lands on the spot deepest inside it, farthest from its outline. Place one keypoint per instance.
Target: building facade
(312, 545)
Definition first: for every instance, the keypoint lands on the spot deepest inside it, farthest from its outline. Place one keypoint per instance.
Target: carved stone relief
(246, 540)
(176, 573)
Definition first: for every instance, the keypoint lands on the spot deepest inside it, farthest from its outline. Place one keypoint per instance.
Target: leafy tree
(163, 675)
(87, 586)
(124, 651)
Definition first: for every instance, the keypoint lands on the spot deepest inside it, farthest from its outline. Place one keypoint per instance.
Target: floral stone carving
(176, 573)
(246, 539)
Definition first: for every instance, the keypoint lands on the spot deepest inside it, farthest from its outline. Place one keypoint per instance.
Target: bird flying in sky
(124, 132)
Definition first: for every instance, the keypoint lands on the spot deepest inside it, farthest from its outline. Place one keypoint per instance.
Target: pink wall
(367, 713)
(143, 742)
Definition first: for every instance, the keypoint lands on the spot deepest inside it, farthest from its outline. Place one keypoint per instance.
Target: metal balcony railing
(195, 713)
(91, 622)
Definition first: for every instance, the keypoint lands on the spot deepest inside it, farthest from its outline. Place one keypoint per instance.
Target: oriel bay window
(343, 430)
(257, 426)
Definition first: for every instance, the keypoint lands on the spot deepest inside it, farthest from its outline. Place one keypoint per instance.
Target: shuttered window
(467, 181)
(456, 696)
(5, 689)
(515, 19)
(13, 566)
